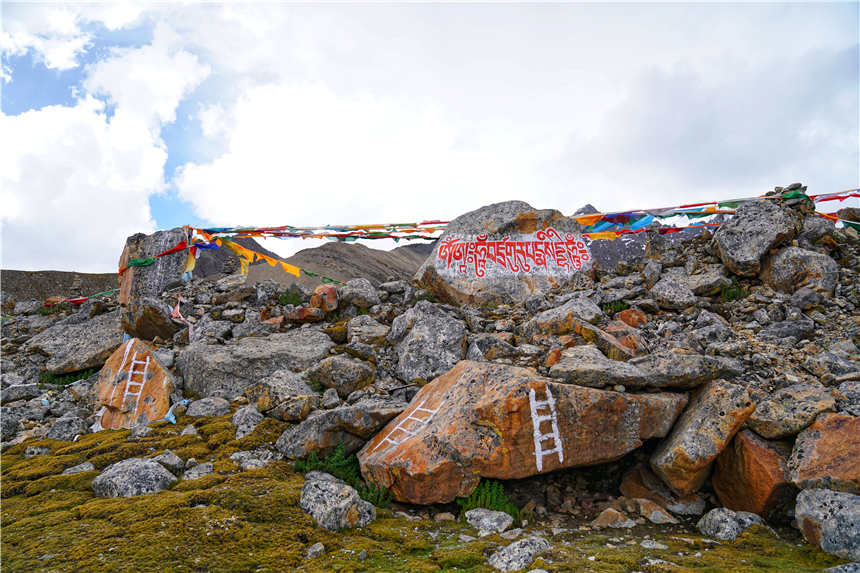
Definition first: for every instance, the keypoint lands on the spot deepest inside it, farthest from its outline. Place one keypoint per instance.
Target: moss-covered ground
(239, 521)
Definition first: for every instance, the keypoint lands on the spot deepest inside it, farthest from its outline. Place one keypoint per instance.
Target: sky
(124, 118)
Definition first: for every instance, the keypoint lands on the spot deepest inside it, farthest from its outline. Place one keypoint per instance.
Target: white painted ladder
(129, 396)
(538, 418)
(408, 433)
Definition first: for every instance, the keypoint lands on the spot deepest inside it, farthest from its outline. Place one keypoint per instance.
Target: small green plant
(491, 495)
(426, 295)
(292, 298)
(346, 468)
(46, 377)
(315, 385)
(733, 292)
(615, 306)
(48, 310)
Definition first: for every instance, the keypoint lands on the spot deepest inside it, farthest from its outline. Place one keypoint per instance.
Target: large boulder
(683, 460)
(502, 254)
(789, 410)
(132, 477)
(351, 425)
(587, 366)
(827, 455)
(165, 272)
(750, 475)
(358, 292)
(134, 387)
(147, 317)
(333, 504)
(228, 370)
(505, 422)
(278, 388)
(343, 373)
(428, 342)
(831, 521)
(75, 347)
(795, 268)
(564, 319)
(756, 228)
(678, 369)
(706, 281)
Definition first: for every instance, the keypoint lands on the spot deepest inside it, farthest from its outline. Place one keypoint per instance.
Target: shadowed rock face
(156, 278)
(484, 419)
(502, 254)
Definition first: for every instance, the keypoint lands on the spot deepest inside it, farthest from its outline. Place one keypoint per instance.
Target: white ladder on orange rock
(408, 433)
(138, 386)
(538, 406)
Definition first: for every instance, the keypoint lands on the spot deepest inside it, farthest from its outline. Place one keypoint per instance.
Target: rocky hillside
(693, 409)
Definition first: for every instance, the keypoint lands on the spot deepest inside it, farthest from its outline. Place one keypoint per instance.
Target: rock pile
(730, 369)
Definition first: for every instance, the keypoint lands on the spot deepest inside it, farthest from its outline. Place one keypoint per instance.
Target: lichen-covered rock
(134, 387)
(75, 347)
(358, 292)
(756, 228)
(488, 520)
(791, 409)
(830, 520)
(278, 388)
(353, 424)
(587, 366)
(246, 420)
(164, 274)
(148, 317)
(211, 407)
(750, 475)
(365, 328)
(562, 320)
(725, 524)
(428, 342)
(640, 482)
(794, 268)
(324, 297)
(343, 373)
(504, 253)
(505, 422)
(67, 428)
(706, 281)
(613, 518)
(672, 295)
(828, 363)
(827, 455)
(132, 477)
(170, 461)
(333, 504)
(518, 554)
(227, 370)
(490, 347)
(683, 460)
(677, 369)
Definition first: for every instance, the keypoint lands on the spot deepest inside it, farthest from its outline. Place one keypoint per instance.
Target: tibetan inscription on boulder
(545, 253)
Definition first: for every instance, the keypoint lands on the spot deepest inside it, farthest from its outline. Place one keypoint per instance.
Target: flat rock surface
(75, 347)
(827, 454)
(791, 409)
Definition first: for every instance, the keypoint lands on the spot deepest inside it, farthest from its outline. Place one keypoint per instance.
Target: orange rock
(628, 336)
(325, 297)
(277, 321)
(749, 475)
(552, 357)
(505, 422)
(134, 387)
(827, 455)
(304, 315)
(632, 317)
(264, 314)
(717, 411)
(640, 483)
(504, 337)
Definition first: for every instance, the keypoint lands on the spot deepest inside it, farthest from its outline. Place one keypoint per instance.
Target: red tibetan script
(548, 249)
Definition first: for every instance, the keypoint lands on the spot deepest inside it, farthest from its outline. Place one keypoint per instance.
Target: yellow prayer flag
(290, 269)
(605, 235)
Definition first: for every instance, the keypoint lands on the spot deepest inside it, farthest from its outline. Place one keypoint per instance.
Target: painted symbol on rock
(543, 252)
(406, 432)
(133, 388)
(538, 406)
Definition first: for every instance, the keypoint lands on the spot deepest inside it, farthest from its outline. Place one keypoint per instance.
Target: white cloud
(54, 34)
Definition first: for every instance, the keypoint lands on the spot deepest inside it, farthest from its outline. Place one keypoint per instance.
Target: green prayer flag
(141, 262)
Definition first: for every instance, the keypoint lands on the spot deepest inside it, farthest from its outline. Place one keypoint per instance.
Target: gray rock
(487, 520)
(154, 279)
(352, 425)
(831, 521)
(394, 287)
(506, 278)
(805, 298)
(358, 292)
(725, 524)
(170, 461)
(33, 451)
(756, 227)
(672, 295)
(198, 471)
(789, 410)
(189, 430)
(343, 373)
(132, 477)
(581, 307)
(679, 370)
(846, 568)
(301, 290)
(330, 399)
(519, 554)
(489, 347)
(8, 424)
(211, 407)
(428, 342)
(228, 370)
(365, 328)
(314, 551)
(252, 326)
(794, 268)
(587, 366)
(814, 229)
(828, 363)
(652, 273)
(848, 397)
(246, 420)
(796, 329)
(19, 392)
(278, 388)
(708, 281)
(78, 469)
(333, 504)
(208, 329)
(67, 428)
(71, 348)
(147, 317)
